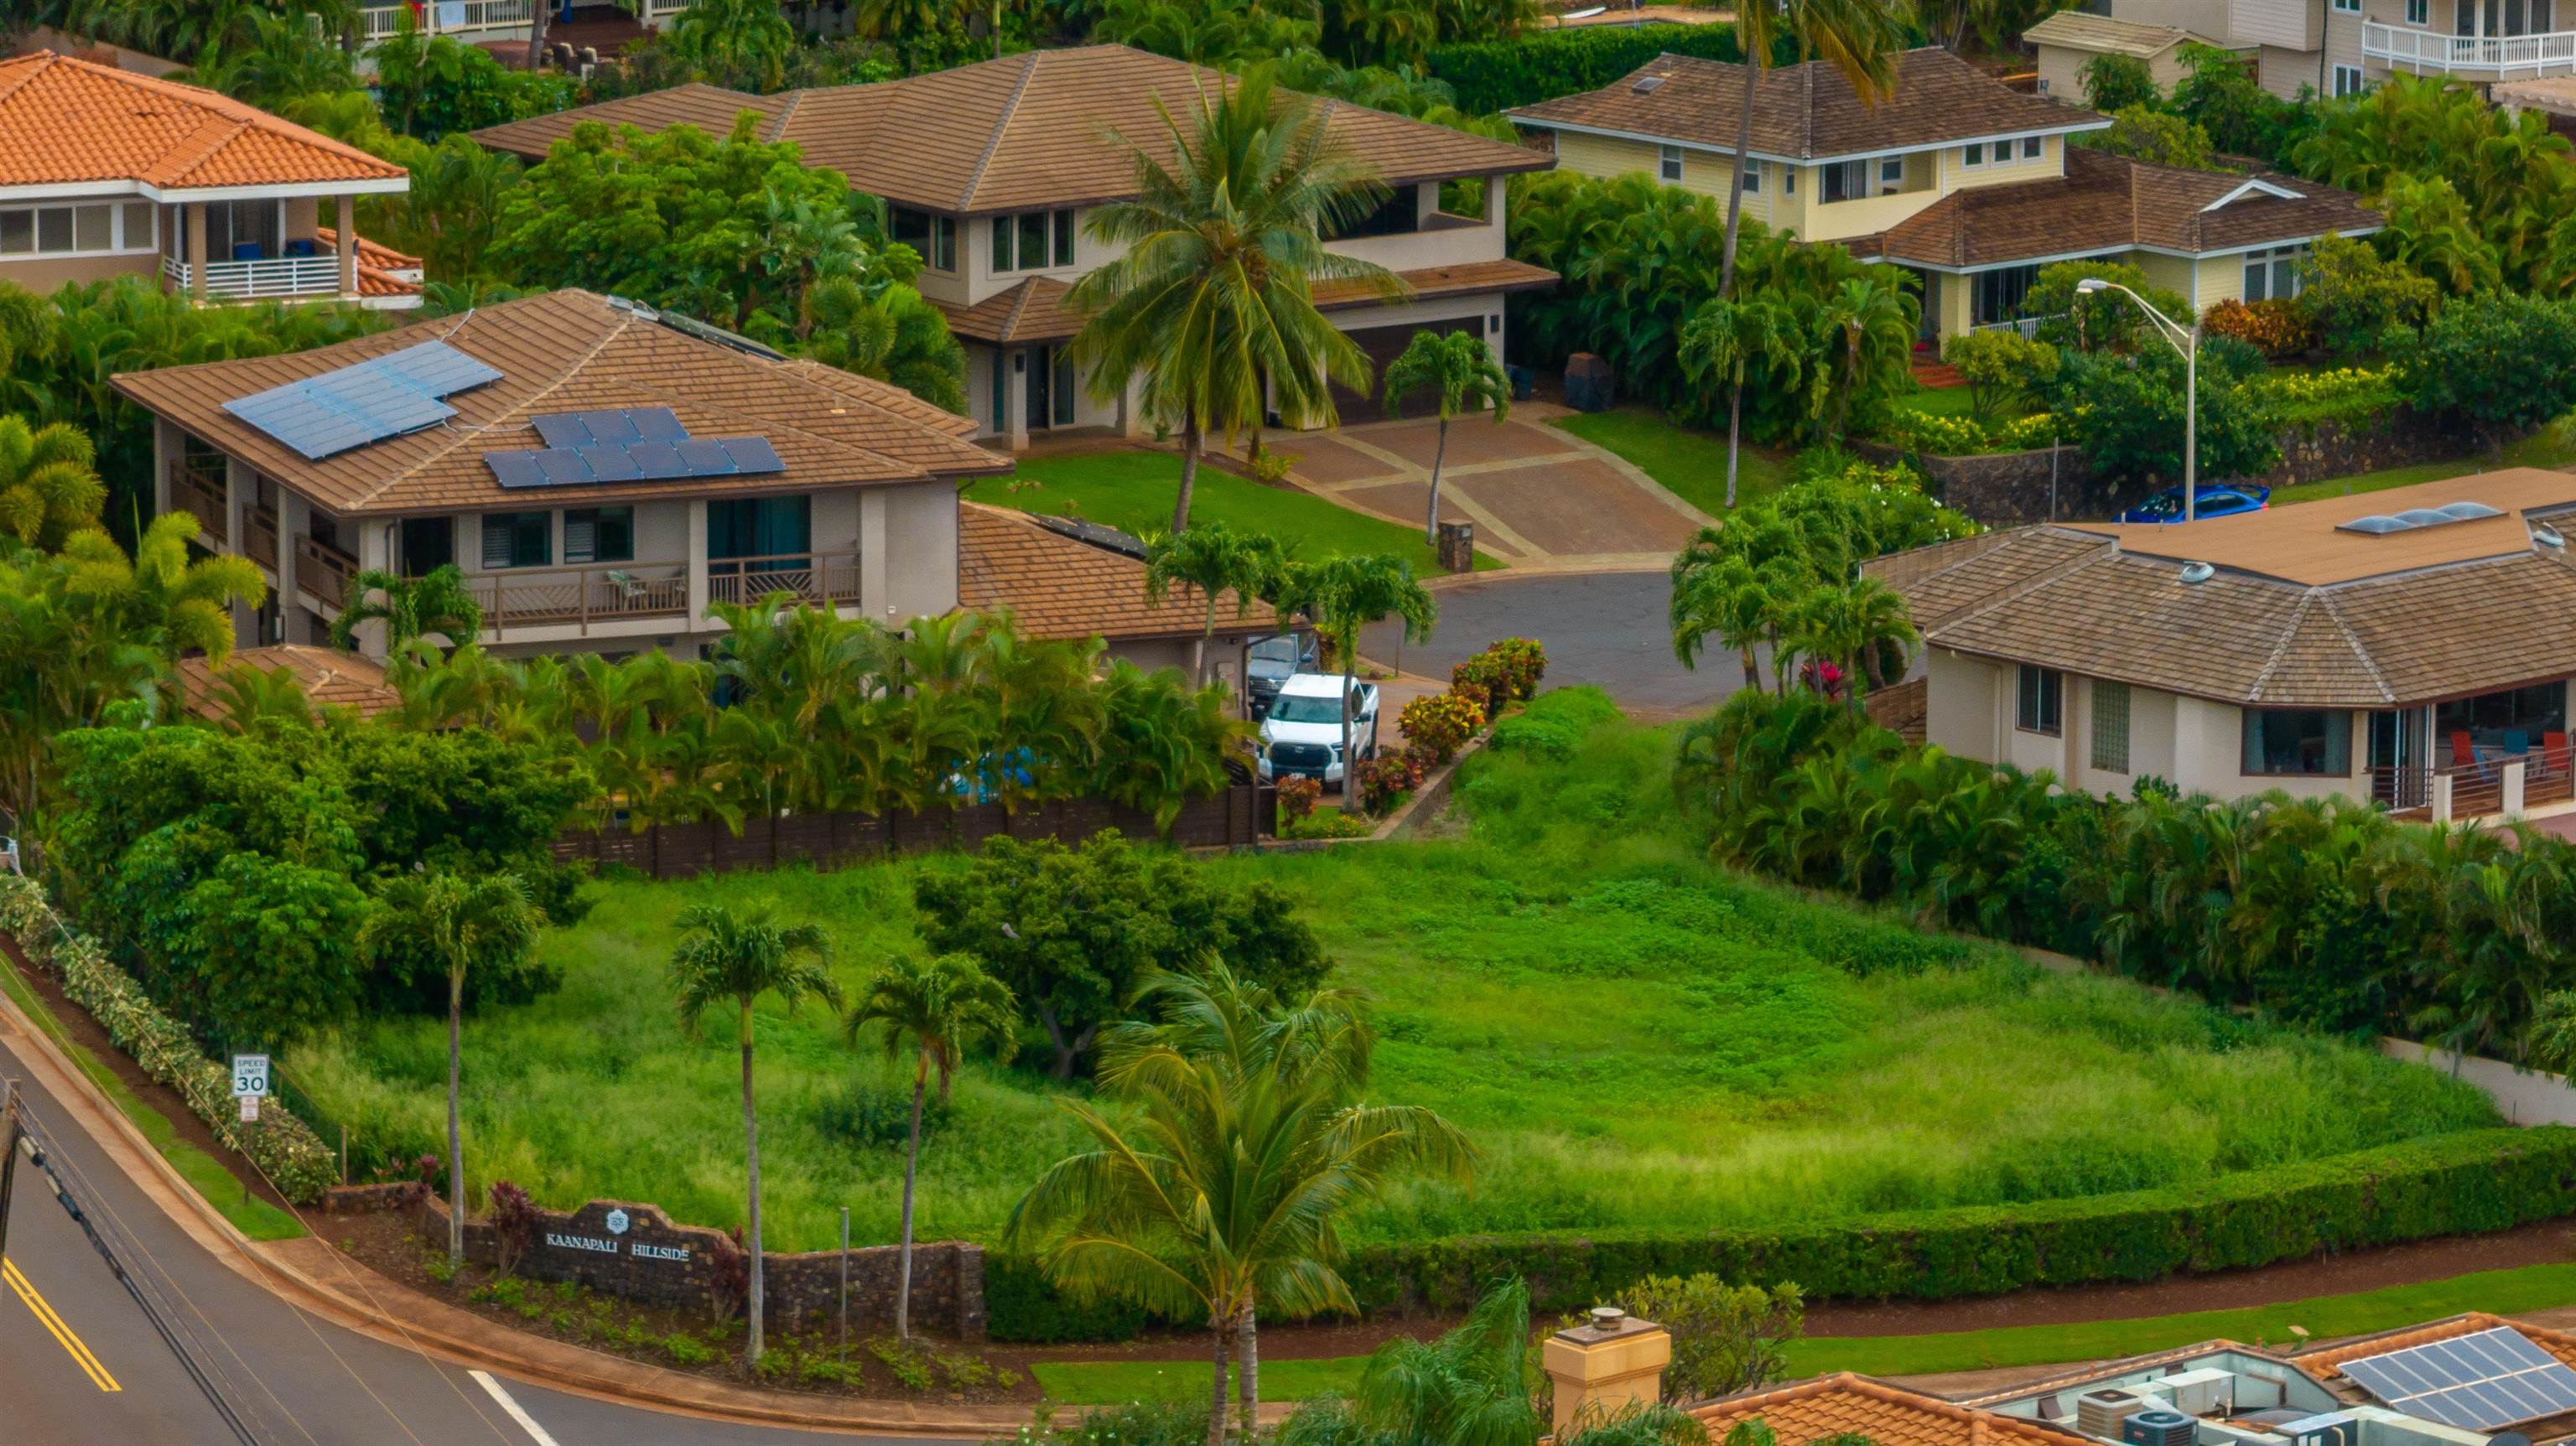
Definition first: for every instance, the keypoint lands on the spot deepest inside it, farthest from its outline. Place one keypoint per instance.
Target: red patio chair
(2464, 754)
(2556, 756)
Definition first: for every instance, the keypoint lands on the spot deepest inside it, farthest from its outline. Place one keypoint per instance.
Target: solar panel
(365, 402)
(633, 424)
(634, 461)
(2483, 1381)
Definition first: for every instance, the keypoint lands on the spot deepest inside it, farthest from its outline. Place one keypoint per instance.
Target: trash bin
(1524, 382)
(1458, 546)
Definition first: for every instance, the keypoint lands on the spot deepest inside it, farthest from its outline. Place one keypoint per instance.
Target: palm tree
(1868, 329)
(1725, 340)
(1460, 366)
(1730, 602)
(1471, 1387)
(1217, 1190)
(1860, 38)
(944, 1005)
(1850, 624)
(1345, 594)
(248, 696)
(466, 923)
(725, 956)
(1215, 559)
(410, 607)
(734, 41)
(49, 485)
(1211, 302)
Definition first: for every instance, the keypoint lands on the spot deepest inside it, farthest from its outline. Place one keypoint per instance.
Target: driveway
(1541, 499)
(1607, 629)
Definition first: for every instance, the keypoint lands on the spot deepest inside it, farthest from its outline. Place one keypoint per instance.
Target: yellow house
(1966, 183)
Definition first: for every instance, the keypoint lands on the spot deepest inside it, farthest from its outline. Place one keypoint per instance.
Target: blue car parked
(2214, 501)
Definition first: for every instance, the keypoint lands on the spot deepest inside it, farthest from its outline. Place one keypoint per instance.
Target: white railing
(271, 276)
(2027, 326)
(2487, 55)
(657, 11)
(453, 17)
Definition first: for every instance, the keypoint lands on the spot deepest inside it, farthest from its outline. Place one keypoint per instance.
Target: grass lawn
(2553, 446)
(1689, 462)
(1132, 490)
(1632, 1036)
(1935, 401)
(254, 1217)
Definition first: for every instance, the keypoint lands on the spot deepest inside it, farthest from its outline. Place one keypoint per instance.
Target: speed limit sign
(250, 1075)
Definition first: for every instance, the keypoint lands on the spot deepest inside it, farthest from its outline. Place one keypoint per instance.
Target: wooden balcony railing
(544, 597)
(323, 570)
(814, 577)
(2477, 790)
(259, 538)
(197, 488)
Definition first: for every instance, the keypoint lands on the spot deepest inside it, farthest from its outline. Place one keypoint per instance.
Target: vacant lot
(1632, 1035)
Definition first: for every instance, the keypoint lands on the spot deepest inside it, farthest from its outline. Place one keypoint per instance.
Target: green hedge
(2470, 1183)
(1492, 75)
(1020, 1305)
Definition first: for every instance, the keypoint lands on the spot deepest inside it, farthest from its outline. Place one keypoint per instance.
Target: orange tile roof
(66, 122)
(1887, 1415)
(370, 252)
(330, 678)
(1059, 587)
(2326, 1362)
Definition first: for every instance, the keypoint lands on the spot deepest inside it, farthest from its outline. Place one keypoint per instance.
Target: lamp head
(2091, 284)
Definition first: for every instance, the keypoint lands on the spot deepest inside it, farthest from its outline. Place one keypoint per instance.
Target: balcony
(449, 17)
(580, 596)
(273, 276)
(324, 571)
(197, 488)
(812, 577)
(2472, 57)
(259, 538)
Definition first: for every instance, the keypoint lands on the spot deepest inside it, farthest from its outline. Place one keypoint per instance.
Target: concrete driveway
(1607, 629)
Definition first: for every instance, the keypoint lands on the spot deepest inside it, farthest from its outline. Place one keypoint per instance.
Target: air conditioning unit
(2099, 1414)
(2334, 1428)
(2204, 1392)
(2159, 1427)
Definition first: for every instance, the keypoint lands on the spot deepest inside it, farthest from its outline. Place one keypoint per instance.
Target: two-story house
(105, 172)
(2340, 47)
(1965, 182)
(991, 170)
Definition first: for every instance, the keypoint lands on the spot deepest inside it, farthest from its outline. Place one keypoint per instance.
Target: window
(517, 539)
(1064, 238)
(599, 534)
(99, 229)
(1668, 162)
(2348, 81)
(760, 527)
(2031, 146)
(1891, 174)
(1033, 241)
(1845, 180)
(2349, 7)
(2272, 274)
(2111, 727)
(428, 543)
(2043, 701)
(1997, 294)
(2298, 742)
(1788, 180)
(934, 236)
(1753, 177)
(1973, 154)
(1399, 214)
(2419, 12)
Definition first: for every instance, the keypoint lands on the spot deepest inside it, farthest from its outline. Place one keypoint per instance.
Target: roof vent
(1647, 84)
(2547, 536)
(2198, 572)
(1608, 1317)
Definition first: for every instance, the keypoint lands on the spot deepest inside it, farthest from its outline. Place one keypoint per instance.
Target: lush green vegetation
(1688, 461)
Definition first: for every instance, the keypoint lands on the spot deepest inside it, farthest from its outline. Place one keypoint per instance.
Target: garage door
(1384, 344)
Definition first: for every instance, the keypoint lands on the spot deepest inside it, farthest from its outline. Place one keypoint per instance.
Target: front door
(428, 543)
(763, 541)
(1040, 362)
(2398, 776)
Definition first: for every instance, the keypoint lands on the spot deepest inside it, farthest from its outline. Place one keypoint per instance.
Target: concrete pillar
(196, 250)
(1015, 398)
(2441, 800)
(348, 236)
(294, 519)
(1131, 408)
(2512, 804)
(876, 587)
(375, 550)
(697, 555)
(240, 493)
(1611, 1361)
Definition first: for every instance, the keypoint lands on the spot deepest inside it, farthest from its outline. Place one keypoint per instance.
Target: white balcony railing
(2486, 57)
(271, 276)
(450, 17)
(2026, 326)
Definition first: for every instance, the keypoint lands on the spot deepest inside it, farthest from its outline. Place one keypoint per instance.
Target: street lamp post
(2187, 341)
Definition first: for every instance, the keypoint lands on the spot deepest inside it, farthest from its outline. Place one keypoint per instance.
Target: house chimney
(1611, 1361)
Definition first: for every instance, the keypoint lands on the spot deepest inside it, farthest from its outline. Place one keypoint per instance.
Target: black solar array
(641, 444)
(2483, 1381)
(634, 424)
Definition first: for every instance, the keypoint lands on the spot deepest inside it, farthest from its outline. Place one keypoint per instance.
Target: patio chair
(249, 251)
(2555, 756)
(2516, 742)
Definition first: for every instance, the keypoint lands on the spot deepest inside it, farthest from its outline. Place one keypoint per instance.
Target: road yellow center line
(71, 1343)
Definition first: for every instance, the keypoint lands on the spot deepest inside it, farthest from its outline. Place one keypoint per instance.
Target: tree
(438, 605)
(2114, 83)
(2100, 320)
(1345, 594)
(467, 923)
(2351, 295)
(2126, 415)
(1867, 327)
(1732, 603)
(1216, 1191)
(2224, 97)
(2144, 133)
(722, 957)
(1458, 367)
(49, 485)
(2496, 362)
(1215, 559)
(1859, 38)
(1471, 1387)
(1210, 309)
(734, 38)
(2000, 367)
(944, 1005)
(1726, 1338)
(1849, 624)
(2431, 232)
(1727, 340)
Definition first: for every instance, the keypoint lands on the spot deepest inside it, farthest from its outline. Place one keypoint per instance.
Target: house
(329, 677)
(992, 170)
(602, 473)
(2069, 40)
(107, 172)
(490, 23)
(1963, 181)
(2341, 47)
(2401, 647)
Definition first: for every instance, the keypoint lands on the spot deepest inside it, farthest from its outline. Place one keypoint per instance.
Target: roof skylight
(2416, 519)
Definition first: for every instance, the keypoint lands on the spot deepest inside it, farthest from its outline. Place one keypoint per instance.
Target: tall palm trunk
(1191, 444)
(1735, 185)
(539, 14)
(455, 1135)
(1734, 430)
(755, 1298)
(1752, 668)
(1431, 528)
(1198, 656)
(911, 1158)
(1216, 1399)
(1247, 1353)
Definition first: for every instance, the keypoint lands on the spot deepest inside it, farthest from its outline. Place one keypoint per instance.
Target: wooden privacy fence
(1232, 817)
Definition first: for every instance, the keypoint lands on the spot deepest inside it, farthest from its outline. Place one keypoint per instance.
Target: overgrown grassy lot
(1633, 1036)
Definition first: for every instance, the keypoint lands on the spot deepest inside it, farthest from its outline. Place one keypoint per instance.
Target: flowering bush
(1476, 693)
(1440, 724)
(2276, 328)
(1942, 436)
(1387, 778)
(1508, 671)
(2344, 394)
(1297, 797)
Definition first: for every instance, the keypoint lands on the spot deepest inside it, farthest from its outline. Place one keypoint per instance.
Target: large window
(2516, 720)
(517, 539)
(2504, 17)
(2042, 706)
(1844, 180)
(774, 527)
(1033, 241)
(934, 236)
(2111, 727)
(599, 534)
(1399, 214)
(1998, 294)
(105, 228)
(2348, 81)
(2273, 273)
(428, 543)
(2298, 742)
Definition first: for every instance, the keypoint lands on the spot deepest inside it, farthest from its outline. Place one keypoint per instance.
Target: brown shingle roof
(1021, 132)
(1809, 112)
(569, 351)
(330, 678)
(1887, 1415)
(2106, 202)
(2102, 35)
(1058, 587)
(1430, 283)
(66, 121)
(1034, 310)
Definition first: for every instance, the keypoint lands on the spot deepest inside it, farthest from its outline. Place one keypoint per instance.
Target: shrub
(1386, 779)
(2345, 394)
(1298, 796)
(2496, 362)
(1726, 1338)
(1021, 1304)
(1508, 670)
(1440, 724)
(1495, 75)
(514, 1225)
(2114, 83)
(1328, 823)
(880, 1114)
(2276, 327)
(2145, 133)
(2351, 295)
(2000, 367)
(2100, 321)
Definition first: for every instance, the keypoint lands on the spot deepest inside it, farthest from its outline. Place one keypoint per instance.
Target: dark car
(2214, 501)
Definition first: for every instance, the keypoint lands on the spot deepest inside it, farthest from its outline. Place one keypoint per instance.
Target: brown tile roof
(2102, 35)
(708, 107)
(66, 121)
(2106, 202)
(2307, 543)
(1888, 1415)
(2326, 1362)
(1039, 308)
(375, 281)
(329, 677)
(568, 351)
(880, 394)
(1809, 112)
(1021, 132)
(1058, 587)
(1433, 282)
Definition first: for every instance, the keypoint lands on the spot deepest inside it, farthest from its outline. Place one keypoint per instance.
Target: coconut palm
(1216, 560)
(1724, 341)
(1471, 1387)
(1460, 368)
(1211, 304)
(1216, 1192)
(1860, 38)
(944, 1006)
(729, 957)
(1345, 594)
(49, 485)
(438, 605)
(467, 923)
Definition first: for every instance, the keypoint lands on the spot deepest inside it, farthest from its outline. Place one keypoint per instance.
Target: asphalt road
(296, 1380)
(1608, 629)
